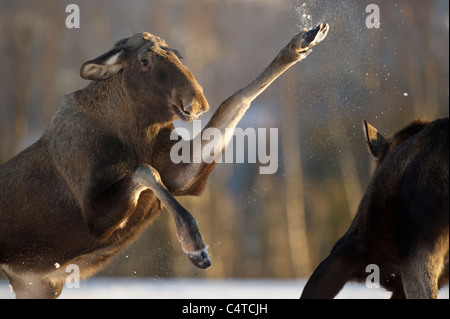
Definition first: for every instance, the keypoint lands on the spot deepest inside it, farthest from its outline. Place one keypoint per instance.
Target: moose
(402, 222)
(101, 171)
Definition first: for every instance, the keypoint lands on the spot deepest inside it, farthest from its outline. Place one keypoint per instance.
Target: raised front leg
(229, 113)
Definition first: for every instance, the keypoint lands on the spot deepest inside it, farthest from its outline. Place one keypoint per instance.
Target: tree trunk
(294, 186)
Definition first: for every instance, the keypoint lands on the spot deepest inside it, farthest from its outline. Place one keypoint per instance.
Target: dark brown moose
(102, 168)
(401, 229)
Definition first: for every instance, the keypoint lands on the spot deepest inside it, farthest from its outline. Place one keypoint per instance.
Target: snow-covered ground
(104, 288)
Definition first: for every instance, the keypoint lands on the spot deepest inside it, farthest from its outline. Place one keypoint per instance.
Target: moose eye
(145, 62)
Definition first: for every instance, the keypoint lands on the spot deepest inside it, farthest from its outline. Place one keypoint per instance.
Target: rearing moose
(101, 170)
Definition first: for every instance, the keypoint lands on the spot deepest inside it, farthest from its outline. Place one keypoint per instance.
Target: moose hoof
(303, 42)
(200, 259)
(316, 35)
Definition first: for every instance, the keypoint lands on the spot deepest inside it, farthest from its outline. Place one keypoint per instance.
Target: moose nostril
(187, 108)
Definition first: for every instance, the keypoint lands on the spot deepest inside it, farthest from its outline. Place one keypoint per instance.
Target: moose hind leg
(421, 272)
(422, 255)
(32, 286)
(44, 289)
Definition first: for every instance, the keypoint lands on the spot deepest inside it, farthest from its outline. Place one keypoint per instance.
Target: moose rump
(402, 223)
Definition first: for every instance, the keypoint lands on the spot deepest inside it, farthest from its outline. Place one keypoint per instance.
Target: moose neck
(110, 105)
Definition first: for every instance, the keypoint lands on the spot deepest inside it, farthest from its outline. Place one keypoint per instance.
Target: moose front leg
(115, 203)
(230, 112)
(232, 109)
(146, 177)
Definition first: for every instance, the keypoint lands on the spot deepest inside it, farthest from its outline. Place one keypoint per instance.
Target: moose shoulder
(102, 170)
(402, 223)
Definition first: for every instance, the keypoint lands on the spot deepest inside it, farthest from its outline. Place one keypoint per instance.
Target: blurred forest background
(271, 226)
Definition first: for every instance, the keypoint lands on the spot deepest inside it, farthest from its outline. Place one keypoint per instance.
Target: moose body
(102, 170)
(402, 223)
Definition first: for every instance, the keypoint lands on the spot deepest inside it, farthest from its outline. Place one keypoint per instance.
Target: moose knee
(145, 175)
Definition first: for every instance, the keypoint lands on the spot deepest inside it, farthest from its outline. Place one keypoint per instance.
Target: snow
(125, 288)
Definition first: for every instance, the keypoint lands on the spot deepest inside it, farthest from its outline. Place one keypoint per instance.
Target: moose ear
(375, 140)
(102, 67)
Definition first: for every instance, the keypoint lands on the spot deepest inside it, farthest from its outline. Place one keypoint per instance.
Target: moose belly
(147, 209)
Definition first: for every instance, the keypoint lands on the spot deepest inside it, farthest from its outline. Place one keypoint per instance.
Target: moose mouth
(185, 116)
